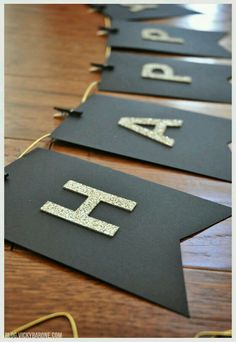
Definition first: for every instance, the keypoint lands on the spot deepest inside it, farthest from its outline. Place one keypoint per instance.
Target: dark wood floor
(48, 51)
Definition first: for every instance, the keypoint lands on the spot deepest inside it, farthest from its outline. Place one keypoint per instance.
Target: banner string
(107, 22)
(42, 319)
(226, 333)
(33, 144)
(88, 91)
(84, 99)
(107, 52)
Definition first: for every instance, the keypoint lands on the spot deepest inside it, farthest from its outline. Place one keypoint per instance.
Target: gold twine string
(107, 22)
(84, 97)
(88, 91)
(107, 52)
(226, 333)
(33, 144)
(43, 319)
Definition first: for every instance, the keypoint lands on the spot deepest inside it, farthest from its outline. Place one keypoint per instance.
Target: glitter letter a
(157, 133)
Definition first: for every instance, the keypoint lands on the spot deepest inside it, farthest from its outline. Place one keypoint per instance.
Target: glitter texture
(157, 133)
(138, 8)
(158, 35)
(163, 72)
(81, 215)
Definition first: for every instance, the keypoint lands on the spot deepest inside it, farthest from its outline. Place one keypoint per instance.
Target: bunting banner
(166, 39)
(152, 133)
(115, 227)
(157, 76)
(142, 11)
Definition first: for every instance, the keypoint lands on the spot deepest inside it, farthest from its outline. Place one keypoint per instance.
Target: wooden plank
(47, 60)
(37, 286)
(48, 52)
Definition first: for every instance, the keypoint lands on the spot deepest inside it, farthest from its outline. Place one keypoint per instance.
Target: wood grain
(48, 51)
(101, 310)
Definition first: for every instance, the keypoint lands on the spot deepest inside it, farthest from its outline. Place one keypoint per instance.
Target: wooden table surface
(48, 53)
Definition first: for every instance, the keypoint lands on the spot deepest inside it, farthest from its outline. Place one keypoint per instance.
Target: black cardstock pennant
(201, 143)
(143, 257)
(167, 39)
(142, 11)
(206, 82)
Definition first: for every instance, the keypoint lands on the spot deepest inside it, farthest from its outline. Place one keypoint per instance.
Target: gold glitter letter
(157, 133)
(139, 8)
(81, 215)
(159, 36)
(163, 72)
